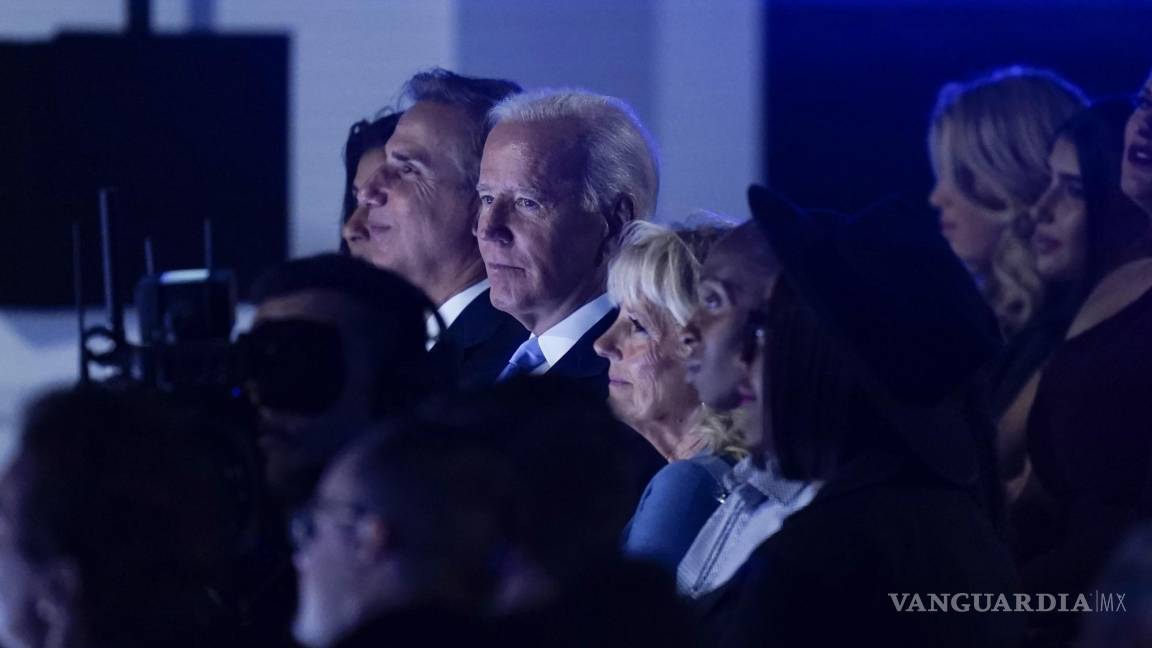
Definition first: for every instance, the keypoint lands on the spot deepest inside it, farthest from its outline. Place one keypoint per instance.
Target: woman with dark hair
(1088, 428)
(363, 157)
(872, 337)
(1083, 226)
(1136, 177)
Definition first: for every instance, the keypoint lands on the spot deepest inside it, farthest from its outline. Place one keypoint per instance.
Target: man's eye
(527, 203)
(711, 300)
(637, 327)
(487, 200)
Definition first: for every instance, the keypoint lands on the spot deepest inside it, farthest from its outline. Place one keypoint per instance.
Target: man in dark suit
(562, 173)
(416, 213)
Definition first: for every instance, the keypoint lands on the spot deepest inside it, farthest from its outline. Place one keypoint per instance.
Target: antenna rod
(78, 296)
(114, 307)
(208, 251)
(149, 259)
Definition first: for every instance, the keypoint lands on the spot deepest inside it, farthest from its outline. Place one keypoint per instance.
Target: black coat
(582, 365)
(478, 344)
(878, 529)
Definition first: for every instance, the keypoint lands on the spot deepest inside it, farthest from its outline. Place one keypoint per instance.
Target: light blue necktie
(527, 357)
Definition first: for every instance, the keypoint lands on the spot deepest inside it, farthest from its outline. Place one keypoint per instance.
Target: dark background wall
(187, 128)
(850, 85)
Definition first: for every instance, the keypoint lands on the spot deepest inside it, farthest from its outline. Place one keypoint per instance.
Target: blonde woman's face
(647, 379)
(970, 227)
(1136, 172)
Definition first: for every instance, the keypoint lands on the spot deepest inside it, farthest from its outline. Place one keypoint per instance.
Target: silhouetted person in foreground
(118, 521)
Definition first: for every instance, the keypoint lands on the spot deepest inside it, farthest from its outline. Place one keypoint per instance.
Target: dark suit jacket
(479, 343)
(582, 365)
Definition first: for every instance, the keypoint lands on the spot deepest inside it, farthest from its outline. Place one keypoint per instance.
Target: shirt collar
(451, 309)
(559, 339)
(768, 481)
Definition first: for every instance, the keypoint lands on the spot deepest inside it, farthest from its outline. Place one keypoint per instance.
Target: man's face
(296, 446)
(543, 251)
(331, 578)
(420, 203)
(737, 278)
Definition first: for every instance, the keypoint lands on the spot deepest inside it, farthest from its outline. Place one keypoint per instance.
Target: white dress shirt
(558, 340)
(451, 309)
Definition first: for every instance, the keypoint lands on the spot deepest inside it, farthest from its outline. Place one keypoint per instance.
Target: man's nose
(375, 192)
(492, 226)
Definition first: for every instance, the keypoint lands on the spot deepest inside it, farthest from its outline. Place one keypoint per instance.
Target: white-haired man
(562, 173)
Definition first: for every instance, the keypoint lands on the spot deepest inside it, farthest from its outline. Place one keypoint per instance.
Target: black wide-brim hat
(886, 282)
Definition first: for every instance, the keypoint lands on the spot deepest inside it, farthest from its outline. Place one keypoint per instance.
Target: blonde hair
(657, 268)
(994, 134)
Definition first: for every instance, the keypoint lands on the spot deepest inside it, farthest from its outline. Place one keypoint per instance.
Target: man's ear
(474, 210)
(623, 211)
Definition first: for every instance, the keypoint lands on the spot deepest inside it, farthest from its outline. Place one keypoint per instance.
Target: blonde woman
(653, 279)
(989, 143)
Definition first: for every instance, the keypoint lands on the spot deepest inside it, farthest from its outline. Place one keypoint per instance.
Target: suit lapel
(476, 323)
(581, 360)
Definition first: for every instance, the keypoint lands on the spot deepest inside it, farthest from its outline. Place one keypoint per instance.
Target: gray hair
(474, 95)
(621, 151)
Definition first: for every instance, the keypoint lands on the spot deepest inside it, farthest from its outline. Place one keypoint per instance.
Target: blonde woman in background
(989, 141)
(653, 280)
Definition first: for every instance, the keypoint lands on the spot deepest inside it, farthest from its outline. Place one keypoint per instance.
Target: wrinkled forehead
(550, 150)
(430, 130)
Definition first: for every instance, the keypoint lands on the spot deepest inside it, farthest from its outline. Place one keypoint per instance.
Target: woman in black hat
(871, 338)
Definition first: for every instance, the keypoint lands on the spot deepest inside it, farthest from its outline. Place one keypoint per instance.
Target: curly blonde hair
(995, 133)
(657, 268)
